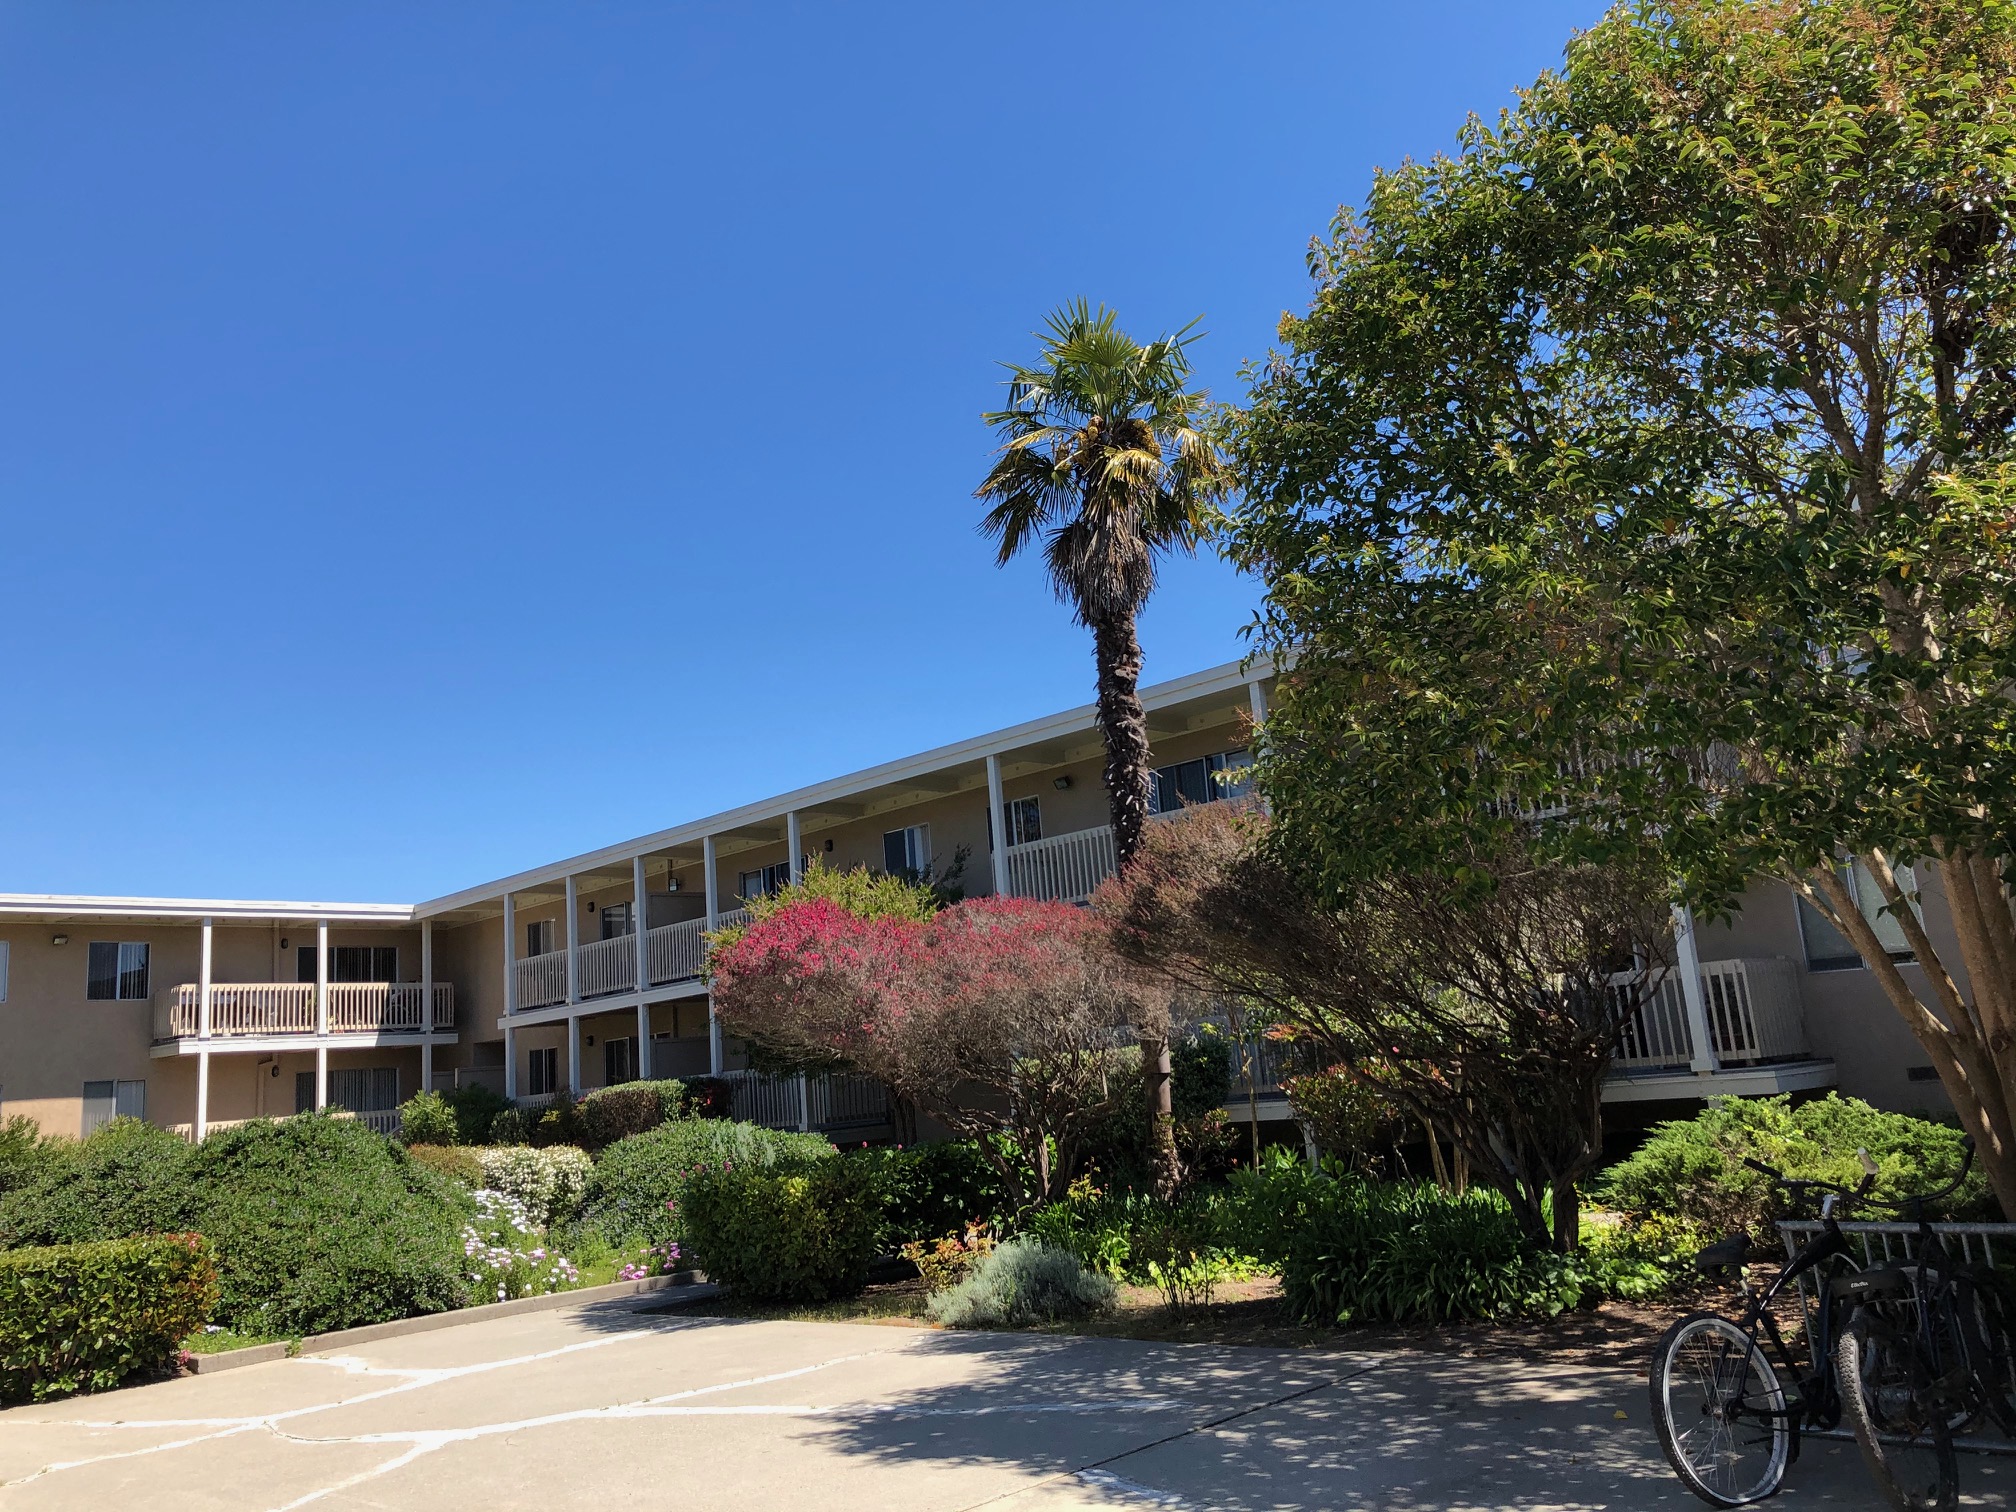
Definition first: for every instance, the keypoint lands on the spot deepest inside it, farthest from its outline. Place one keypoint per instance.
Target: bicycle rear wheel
(1890, 1399)
(1720, 1411)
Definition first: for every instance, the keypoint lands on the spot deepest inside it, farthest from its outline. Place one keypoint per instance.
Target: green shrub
(27, 1155)
(427, 1118)
(709, 1097)
(1693, 1168)
(511, 1127)
(83, 1317)
(128, 1177)
(457, 1162)
(636, 1177)
(1020, 1282)
(1181, 1248)
(549, 1184)
(931, 1191)
(476, 1109)
(1409, 1252)
(615, 1113)
(321, 1224)
(1200, 1072)
(781, 1235)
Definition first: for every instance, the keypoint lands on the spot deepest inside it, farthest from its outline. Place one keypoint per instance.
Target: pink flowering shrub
(997, 1015)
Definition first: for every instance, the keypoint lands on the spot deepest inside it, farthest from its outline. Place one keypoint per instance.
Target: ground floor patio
(616, 1406)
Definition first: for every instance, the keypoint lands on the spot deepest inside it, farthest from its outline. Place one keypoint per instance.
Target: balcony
(240, 1010)
(1756, 1037)
(1065, 868)
(673, 953)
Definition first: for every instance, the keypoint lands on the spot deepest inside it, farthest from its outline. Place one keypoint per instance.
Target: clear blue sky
(436, 439)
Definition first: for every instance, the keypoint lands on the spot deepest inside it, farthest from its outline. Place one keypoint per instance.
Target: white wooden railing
(1065, 868)
(609, 966)
(1753, 1016)
(248, 1008)
(676, 952)
(542, 980)
(839, 1100)
(672, 953)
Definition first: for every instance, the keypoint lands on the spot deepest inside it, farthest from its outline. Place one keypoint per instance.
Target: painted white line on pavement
(1106, 1480)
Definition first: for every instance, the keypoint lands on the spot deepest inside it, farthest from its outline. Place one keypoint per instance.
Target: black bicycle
(1730, 1400)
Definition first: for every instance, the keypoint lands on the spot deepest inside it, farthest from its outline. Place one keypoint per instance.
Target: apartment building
(586, 972)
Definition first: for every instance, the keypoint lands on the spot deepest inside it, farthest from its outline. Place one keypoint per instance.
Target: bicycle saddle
(1724, 1254)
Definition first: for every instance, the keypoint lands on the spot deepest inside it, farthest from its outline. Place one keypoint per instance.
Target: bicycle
(1724, 1416)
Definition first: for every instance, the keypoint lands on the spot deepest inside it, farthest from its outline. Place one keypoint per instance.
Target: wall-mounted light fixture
(283, 942)
(671, 884)
(591, 1041)
(1063, 784)
(829, 846)
(60, 939)
(591, 908)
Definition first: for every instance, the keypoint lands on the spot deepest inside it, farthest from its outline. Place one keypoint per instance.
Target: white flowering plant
(507, 1253)
(549, 1182)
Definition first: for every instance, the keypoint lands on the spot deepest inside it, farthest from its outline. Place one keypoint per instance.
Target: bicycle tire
(1901, 1426)
(1988, 1319)
(1703, 1371)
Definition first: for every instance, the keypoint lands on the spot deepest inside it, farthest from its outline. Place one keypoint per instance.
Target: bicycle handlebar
(1799, 1186)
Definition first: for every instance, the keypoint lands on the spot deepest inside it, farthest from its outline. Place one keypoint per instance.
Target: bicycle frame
(1817, 1404)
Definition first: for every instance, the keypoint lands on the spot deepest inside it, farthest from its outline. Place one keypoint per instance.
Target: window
(350, 963)
(765, 880)
(907, 852)
(1226, 774)
(116, 969)
(545, 1071)
(1025, 820)
(539, 937)
(1827, 949)
(616, 920)
(371, 1089)
(107, 1100)
(619, 1061)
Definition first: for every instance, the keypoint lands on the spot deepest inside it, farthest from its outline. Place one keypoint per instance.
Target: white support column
(640, 922)
(322, 978)
(804, 1104)
(794, 843)
(574, 1053)
(1687, 962)
(709, 864)
(203, 991)
(510, 955)
(322, 1013)
(426, 1005)
(203, 1095)
(1257, 694)
(510, 1063)
(573, 942)
(997, 826)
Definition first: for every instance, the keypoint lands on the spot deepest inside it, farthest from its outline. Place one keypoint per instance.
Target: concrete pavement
(612, 1407)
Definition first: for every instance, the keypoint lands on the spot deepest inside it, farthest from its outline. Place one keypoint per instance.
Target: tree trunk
(1123, 723)
(1567, 1205)
(1968, 1043)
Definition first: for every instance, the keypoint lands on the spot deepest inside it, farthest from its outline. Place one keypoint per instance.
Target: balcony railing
(238, 1009)
(828, 1103)
(672, 953)
(1065, 868)
(1753, 1014)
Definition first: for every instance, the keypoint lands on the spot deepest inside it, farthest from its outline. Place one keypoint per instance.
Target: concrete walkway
(611, 1407)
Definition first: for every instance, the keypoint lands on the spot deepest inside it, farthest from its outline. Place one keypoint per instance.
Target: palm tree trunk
(1116, 650)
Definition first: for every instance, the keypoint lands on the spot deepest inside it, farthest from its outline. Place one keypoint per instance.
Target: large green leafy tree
(1105, 466)
(1645, 468)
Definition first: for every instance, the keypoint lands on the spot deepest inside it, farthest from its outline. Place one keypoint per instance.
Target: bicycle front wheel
(1890, 1397)
(1720, 1411)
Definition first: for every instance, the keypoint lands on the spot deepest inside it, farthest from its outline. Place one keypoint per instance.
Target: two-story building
(586, 971)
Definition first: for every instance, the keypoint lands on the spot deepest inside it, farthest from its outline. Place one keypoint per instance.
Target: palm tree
(1105, 461)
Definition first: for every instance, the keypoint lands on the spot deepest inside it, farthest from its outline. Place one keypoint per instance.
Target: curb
(684, 1285)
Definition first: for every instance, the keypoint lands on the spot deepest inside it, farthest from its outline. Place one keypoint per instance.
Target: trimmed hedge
(84, 1317)
(613, 1113)
(930, 1191)
(456, 1162)
(126, 1178)
(636, 1177)
(782, 1236)
(321, 1223)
